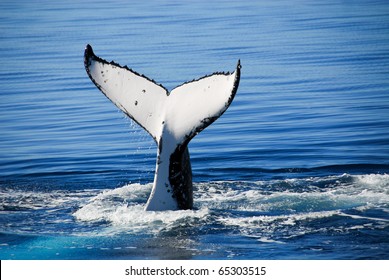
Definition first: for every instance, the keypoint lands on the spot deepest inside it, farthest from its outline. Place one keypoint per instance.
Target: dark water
(297, 168)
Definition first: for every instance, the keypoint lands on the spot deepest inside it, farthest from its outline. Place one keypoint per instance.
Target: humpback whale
(171, 118)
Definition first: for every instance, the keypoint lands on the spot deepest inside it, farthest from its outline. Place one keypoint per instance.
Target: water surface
(297, 168)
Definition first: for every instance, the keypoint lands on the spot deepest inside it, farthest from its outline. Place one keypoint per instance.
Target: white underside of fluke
(172, 119)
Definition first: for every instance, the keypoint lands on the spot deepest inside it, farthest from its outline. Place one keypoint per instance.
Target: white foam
(364, 217)
(122, 209)
(264, 239)
(272, 204)
(321, 194)
(378, 182)
(264, 220)
(35, 200)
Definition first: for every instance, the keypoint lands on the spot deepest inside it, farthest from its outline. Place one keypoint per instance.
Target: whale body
(171, 118)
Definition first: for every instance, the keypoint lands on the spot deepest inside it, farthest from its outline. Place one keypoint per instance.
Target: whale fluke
(171, 118)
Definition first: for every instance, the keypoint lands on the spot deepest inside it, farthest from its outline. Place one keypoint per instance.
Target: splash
(123, 208)
(265, 209)
(260, 209)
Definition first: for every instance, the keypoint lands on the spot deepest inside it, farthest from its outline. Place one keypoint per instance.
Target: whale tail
(171, 118)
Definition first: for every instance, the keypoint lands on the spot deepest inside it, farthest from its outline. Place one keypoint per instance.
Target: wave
(267, 210)
(254, 208)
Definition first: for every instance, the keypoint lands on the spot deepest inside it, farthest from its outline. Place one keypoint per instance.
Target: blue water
(297, 168)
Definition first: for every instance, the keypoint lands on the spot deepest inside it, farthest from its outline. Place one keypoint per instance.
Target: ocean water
(297, 168)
